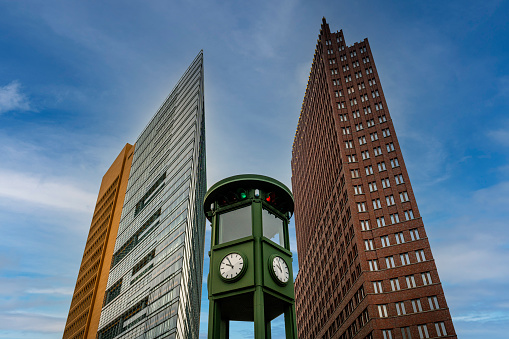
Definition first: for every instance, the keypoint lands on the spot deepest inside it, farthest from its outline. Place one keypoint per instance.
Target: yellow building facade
(88, 297)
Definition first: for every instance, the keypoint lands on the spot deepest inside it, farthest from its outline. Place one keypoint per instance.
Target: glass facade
(156, 274)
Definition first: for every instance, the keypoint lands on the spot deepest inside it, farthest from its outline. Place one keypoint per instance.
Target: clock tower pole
(250, 276)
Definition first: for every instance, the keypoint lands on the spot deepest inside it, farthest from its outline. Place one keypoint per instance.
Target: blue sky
(79, 79)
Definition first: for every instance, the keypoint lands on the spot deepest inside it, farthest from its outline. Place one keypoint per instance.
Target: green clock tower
(250, 276)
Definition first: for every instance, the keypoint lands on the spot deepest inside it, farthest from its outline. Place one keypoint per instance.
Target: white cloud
(31, 322)
(51, 192)
(62, 291)
(483, 317)
(12, 99)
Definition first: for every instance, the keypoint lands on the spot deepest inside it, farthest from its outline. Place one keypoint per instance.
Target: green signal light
(243, 195)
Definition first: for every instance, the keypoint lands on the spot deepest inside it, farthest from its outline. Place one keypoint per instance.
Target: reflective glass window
(273, 227)
(235, 224)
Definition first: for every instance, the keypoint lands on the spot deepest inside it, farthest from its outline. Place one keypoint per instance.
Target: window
(394, 163)
(373, 265)
(361, 86)
(386, 183)
(366, 59)
(385, 241)
(376, 204)
(403, 196)
(377, 151)
(343, 117)
(380, 221)
(409, 215)
(423, 331)
(395, 284)
(382, 310)
(336, 83)
(369, 245)
(414, 234)
(364, 98)
(357, 189)
(374, 136)
(375, 94)
(387, 334)
(348, 144)
(394, 218)
(365, 225)
(348, 79)
(346, 130)
(334, 71)
(355, 173)
(369, 70)
(346, 68)
(381, 166)
(362, 140)
(377, 286)
(358, 75)
(378, 106)
(363, 49)
(399, 179)
(389, 262)
(351, 158)
(440, 327)
(433, 303)
(369, 170)
(426, 278)
(405, 260)
(341, 105)
(410, 283)
(359, 127)
(372, 186)
(353, 101)
(273, 227)
(352, 54)
(367, 110)
(235, 224)
(400, 308)
(419, 254)
(405, 333)
(371, 123)
(390, 200)
(356, 114)
(361, 206)
(338, 39)
(365, 154)
(382, 118)
(390, 147)
(386, 132)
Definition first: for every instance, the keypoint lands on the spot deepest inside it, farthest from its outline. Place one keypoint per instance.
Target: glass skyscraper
(154, 283)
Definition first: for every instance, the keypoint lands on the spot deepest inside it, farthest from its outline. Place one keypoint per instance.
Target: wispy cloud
(12, 99)
(51, 192)
(25, 321)
(62, 291)
(483, 317)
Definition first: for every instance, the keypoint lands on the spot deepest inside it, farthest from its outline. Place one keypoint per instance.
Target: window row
(422, 330)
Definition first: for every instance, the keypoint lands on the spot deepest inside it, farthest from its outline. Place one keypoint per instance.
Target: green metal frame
(257, 295)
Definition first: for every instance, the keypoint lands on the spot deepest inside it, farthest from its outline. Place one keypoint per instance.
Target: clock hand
(229, 262)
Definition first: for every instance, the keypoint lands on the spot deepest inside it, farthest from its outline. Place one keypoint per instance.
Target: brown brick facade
(365, 265)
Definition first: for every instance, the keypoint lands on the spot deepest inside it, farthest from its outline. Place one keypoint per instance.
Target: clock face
(232, 266)
(280, 269)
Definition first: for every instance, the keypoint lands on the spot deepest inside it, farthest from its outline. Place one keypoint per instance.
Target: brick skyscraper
(365, 263)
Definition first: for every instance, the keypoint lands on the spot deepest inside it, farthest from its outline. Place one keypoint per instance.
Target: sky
(79, 79)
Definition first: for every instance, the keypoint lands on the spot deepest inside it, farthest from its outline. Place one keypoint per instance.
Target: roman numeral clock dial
(232, 267)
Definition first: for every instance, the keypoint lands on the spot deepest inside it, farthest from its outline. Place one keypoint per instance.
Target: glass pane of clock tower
(273, 227)
(235, 224)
